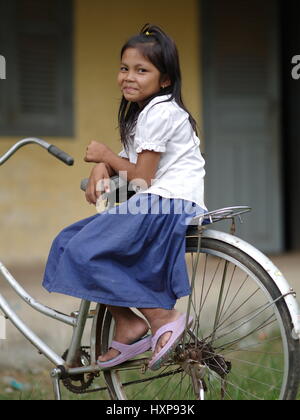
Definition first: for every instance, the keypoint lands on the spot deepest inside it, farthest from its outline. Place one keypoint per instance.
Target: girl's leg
(129, 327)
(157, 318)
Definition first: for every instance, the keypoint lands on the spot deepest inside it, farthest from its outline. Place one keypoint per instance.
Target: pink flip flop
(177, 329)
(127, 351)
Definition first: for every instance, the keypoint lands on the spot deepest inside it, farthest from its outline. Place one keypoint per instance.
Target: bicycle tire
(260, 360)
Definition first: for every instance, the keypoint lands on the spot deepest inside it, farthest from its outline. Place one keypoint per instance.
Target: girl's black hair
(162, 52)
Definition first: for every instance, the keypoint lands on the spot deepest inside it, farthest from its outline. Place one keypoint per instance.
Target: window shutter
(40, 83)
(37, 62)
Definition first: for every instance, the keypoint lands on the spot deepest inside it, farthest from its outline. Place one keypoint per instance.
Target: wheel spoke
(239, 340)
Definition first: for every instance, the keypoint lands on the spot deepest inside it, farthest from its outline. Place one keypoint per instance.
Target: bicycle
(244, 342)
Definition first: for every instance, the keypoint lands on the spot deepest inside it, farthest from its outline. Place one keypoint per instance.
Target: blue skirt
(132, 255)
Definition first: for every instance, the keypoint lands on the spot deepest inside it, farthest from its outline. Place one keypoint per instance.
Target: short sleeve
(123, 154)
(153, 129)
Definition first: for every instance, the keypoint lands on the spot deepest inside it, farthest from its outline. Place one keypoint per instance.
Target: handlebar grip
(59, 154)
(84, 184)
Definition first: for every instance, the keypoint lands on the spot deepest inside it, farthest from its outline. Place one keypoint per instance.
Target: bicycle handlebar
(53, 150)
(61, 155)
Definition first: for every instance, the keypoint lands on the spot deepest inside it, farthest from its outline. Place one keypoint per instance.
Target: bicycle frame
(77, 320)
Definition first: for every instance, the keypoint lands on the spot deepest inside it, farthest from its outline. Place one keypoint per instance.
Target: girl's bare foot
(128, 329)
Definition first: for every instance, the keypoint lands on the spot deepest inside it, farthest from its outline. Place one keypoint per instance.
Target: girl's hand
(96, 152)
(99, 173)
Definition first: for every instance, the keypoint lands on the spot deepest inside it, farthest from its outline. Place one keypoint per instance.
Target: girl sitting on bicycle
(133, 255)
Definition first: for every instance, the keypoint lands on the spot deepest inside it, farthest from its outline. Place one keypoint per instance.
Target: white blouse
(165, 127)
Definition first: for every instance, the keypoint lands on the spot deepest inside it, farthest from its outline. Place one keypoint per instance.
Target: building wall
(39, 195)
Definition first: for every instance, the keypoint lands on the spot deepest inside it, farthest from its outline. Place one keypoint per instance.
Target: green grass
(40, 385)
(41, 388)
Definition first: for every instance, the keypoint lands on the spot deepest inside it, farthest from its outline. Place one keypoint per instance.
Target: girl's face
(138, 78)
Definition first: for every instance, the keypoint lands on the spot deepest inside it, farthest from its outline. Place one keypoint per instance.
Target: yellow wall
(39, 195)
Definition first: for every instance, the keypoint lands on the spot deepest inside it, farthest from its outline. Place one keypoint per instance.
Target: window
(36, 99)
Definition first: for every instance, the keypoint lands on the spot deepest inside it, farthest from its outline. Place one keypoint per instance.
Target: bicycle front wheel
(240, 346)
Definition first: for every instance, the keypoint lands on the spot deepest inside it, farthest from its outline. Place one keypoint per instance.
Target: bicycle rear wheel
(240, 346)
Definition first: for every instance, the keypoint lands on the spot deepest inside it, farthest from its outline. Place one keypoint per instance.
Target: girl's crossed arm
(141, 173)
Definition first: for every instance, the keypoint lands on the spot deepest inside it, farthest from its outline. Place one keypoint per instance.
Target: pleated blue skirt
(132, 255)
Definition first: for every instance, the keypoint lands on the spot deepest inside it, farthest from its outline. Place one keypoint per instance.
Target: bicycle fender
(287, 291)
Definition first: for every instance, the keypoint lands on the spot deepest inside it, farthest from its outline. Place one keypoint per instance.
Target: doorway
(242, 117)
